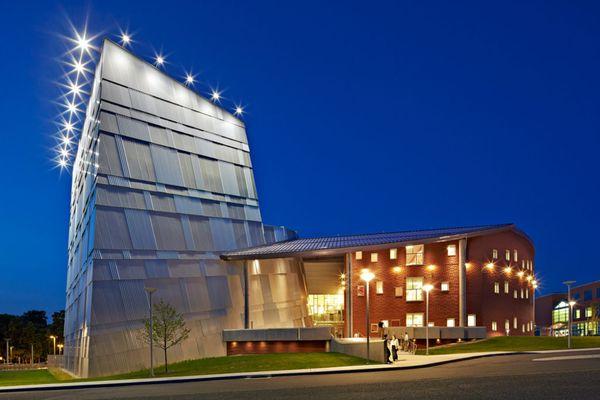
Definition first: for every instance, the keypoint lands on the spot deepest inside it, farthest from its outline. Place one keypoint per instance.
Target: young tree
(168, 329)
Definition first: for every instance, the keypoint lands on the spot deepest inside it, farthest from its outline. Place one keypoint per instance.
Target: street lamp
(427, 288)
(149, 291)
(367, 276)
(535, 285)
(53, 343)
(569, 283)
(60, 347)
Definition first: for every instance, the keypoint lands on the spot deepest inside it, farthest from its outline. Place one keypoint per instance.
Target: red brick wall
(481, 299)
(309, 346)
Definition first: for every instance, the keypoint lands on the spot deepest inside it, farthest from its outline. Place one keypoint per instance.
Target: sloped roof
(333, 244)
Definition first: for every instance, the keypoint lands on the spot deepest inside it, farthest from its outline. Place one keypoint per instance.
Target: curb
(242, 375)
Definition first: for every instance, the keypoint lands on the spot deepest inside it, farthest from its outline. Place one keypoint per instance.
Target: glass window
(507, 255)
(494, 254)
(588, 312)
(515, 323)
(515, 255)
(326, 307)
(414, 254)
(506, 287)
(516, 294)
(471, 320)
(507, 325)
(379, 287)
(496, 287)
(577, 313)
(451, 250)
(587, 295)
(560, 314)
(373, 257)
(414, 290)
(414, 319)
(494, 326)
(393, 254)
(522, 293)
(526, 293)
(398, 291)
(358, 255)
(445, 286)
(450, 322)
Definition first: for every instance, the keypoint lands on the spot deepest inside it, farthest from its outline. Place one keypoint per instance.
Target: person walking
(406, 341)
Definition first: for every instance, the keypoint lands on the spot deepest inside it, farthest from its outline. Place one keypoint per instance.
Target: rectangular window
(414, 254)
(588, 312)
(587, 295)
(527, 293)
(522, 293)
(523, 264)
(516, 294)
(358, 255)
(507, 325)
(506, 287)
(445, 286)
(577, 313)
(374, 328)
(379, 287)
(523, 328)
(451, 250)
(373, 257)
(451, 322)
(507, 255)
(471, 320)
(515, 323)
(494, 254)
(393, 254)
(414, 319)
(398, 291)
(515, 255)
(414, 290)
(496, 287)
(494, 326)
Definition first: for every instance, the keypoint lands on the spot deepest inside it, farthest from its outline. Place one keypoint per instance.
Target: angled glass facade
(162, 184)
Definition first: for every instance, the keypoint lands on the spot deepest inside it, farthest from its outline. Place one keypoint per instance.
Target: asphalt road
(526, 376)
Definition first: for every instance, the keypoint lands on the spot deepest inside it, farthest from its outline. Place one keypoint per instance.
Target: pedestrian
(394, 346)
(387, 349)
(405, 341)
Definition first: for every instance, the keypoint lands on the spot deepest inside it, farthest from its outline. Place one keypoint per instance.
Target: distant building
(552, 311)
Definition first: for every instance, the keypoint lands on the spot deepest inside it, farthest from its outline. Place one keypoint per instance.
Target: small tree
(168, 329)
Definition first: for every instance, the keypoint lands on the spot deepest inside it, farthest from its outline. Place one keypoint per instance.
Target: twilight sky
(365, 117)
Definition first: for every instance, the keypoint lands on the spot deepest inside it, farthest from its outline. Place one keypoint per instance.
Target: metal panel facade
(161, 184)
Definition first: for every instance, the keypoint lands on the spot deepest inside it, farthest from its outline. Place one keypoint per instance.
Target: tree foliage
(168, 329)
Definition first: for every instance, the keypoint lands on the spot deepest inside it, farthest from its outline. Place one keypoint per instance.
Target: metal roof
(329, 244)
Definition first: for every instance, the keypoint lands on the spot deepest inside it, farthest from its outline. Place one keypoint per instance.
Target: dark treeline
(31, 328)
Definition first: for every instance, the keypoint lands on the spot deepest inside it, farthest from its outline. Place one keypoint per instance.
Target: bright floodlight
(69, 126)
(78, 67)
(159, 60)
(216, 95)
(66, 140)
(125, 39)
(367, 276)
(572, 303)
(427, 288)
(62, 163)
(74, 88)
(189, 79)
(64, 152)
(83, 43)
(71, 107)
(239, 110)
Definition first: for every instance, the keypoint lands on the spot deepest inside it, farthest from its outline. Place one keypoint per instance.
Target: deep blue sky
(365, 117)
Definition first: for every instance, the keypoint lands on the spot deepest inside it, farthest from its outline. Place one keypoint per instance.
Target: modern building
(163, 197)
(481, 276)
(162, 184)
(552, 311)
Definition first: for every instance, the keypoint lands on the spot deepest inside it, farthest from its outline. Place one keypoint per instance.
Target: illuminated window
(522, 293)
(506, 287)
(588, 312)
(451, 250)
(358, 255)
(515, 323)
(507, 255)
(414, 254)
(527, 293)
(373, 257)
(414, 319)
(507, 325)
(379, 287)
(515, 255)
(577, 313)
(398, 291)
(471, 320)
(393, 254)
(445, 286)
(414, 290)
(496, 287)
(450, 322)
(523, 328)
(326, 307)
(494, 254)
(494, 326)
(516, 294)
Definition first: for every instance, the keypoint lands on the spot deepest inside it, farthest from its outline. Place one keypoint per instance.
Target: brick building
(480, 276)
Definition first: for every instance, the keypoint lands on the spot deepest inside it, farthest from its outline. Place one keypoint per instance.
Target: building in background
(481, 276)
(162, 184)
(552, 311)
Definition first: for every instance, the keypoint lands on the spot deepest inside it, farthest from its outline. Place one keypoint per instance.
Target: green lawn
(218, 365)
(516, 343)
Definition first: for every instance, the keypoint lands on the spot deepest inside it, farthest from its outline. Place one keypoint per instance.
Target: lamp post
(53, 343)
(427, 288)
(367, 276)
(149, 291)
(569, 283)
(535, 285)
(7, 355)
(60, 348)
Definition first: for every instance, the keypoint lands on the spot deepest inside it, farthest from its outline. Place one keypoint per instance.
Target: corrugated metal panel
(211, 174)
(227, 172)
(115, 93)
(132, 128)
(203, 238)
(139, 160)
(167, 165)
(140, 229)
(168, 232)
(187, 232)
(187, 170)
(188, 205)
(108, 123)
(222, 231)
(108, 159)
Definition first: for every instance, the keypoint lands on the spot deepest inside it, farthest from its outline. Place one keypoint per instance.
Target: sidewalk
(405, 362)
